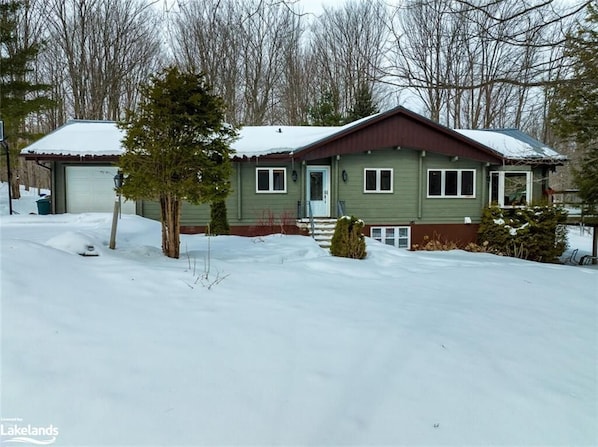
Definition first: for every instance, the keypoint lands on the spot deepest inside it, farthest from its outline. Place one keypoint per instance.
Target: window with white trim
(377, 180)
(399, 237)
(271, 180)
(510, 188)
(452, 183)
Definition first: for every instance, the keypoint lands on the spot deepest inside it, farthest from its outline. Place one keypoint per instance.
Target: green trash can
(44, 206)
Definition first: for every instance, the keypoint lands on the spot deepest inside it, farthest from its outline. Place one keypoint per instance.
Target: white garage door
(90, 189)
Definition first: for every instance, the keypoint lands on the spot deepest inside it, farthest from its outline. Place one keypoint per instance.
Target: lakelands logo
(14, 431)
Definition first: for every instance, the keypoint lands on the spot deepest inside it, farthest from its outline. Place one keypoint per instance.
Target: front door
(318, 190)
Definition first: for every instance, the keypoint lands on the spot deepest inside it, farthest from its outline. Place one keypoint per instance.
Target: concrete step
(323, 229)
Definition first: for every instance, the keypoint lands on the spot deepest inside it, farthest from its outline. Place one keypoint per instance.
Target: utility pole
(9, 173)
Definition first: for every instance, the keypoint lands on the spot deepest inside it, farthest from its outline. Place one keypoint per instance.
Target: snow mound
(75, 242)
(272, 249)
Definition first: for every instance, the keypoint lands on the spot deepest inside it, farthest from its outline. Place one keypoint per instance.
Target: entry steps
(323, 229)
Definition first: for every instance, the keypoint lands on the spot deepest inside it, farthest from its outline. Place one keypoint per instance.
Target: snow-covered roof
(512, 144)
(80, 138)
(103, 138)
(262, 140)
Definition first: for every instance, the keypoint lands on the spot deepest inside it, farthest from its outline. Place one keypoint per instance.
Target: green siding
(537, 190)
(453, 210)
(244, 205)
(59, 190)
(256, 207)
(407, 203)
(402, 205)
(398, 206)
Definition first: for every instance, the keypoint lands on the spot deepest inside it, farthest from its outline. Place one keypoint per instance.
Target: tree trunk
(170, 208)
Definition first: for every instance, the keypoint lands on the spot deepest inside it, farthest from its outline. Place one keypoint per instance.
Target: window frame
(443, 184)
(397, 237)
(500, 193)
(378, 189)
(270, 171)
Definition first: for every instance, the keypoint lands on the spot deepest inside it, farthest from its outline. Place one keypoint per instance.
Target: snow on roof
(262, 140)
(103, 138)
(512, 143)
(96, 138)
(80, 138)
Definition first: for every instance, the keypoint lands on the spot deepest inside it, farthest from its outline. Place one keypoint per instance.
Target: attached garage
(91, 189)
(82, 156)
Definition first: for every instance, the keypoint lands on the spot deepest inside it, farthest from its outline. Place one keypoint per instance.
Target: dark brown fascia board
(277, 156)
(537, 161)
(71, 158)
(302, 153)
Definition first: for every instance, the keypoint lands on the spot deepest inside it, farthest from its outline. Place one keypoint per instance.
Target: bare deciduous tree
(348, 45)
(100, 50)
(477, 65)
(248, 50)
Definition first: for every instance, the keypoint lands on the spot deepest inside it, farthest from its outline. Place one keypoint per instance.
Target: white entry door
(318, 190)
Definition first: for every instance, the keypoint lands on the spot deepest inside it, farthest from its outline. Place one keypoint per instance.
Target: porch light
(294, 175)
(345, 176)
(118, 180)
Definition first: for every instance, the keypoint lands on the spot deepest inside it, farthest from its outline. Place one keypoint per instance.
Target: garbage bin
(44, 205)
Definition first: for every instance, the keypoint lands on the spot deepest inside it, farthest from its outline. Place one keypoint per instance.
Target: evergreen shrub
(348, 240)
(219, 219)
(535, 232)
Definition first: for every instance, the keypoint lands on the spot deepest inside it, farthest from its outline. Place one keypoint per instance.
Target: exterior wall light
(294, 175)
(345, 176)
(118, 180)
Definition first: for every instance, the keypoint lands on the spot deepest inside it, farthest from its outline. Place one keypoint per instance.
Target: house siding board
(259, 207)
(59, 193)
(402, 205)
(451, 210)
(255, 208)
(396, 207)
(538, 185)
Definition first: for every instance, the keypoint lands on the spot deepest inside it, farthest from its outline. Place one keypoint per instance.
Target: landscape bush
(536, 232)
(348, 240)
(219, 218)
(435, 243)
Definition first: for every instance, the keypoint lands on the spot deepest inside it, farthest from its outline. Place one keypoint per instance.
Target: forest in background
(463, 63)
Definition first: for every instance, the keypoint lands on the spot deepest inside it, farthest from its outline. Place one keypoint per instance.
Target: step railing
(340, 208)
(312, 224)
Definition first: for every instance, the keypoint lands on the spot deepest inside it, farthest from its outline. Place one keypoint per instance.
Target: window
(399, 237)
(451, 183)
(510, 189)
(273, 180)
(377, 180)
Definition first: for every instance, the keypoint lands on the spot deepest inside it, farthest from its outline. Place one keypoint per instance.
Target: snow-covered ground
(274, 342)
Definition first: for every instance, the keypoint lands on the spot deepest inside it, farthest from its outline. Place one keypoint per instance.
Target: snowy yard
(283, 344)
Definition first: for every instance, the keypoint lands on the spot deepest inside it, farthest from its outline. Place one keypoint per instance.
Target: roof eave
(112, 158)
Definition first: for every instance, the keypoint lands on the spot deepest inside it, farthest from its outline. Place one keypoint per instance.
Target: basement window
(399, 237)
(271, 180)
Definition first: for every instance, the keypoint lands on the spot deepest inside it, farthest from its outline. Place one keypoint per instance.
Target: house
(406, 176)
